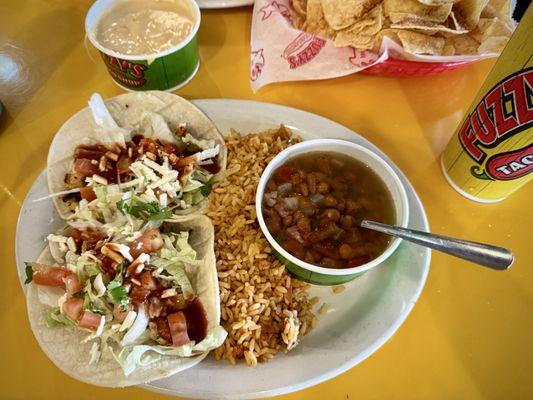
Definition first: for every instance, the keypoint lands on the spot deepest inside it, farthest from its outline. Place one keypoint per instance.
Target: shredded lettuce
(101, 194)
(194, 144)
(90, 306)
(131, 357)
(192, 184)
(86, 267)
(54, 318)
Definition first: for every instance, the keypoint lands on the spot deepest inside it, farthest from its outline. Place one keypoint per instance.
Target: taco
(119, 312)
(154, 145)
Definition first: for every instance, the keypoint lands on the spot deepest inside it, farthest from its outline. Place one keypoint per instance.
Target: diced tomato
(148, 281)
(131, 269)
(72, 284)
(139, 294)
(85, 167)
(147, 144)
(73, 308)
(54, 276)
(87, 193)
(178, 328)
(170, 148)
(108, 265)
(90, 320)
(88, 235)
(148, 243)
(163, 330)
(283, 174)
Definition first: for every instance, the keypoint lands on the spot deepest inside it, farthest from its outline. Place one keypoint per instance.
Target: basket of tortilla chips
(321, 39)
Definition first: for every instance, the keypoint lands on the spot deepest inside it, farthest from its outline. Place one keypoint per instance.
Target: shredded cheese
(56, 194)
(128, 321)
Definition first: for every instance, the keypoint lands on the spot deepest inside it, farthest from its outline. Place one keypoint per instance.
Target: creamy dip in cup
(146, 45)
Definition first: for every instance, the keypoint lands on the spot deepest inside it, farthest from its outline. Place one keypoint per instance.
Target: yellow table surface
(469, 336)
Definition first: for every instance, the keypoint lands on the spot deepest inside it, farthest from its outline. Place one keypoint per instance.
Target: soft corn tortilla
(62, 344)
(128, 110)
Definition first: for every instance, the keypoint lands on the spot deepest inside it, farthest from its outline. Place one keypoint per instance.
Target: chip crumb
(338, 289)
(323, 308)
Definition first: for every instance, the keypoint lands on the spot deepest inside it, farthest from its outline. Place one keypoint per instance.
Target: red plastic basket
(397, 67)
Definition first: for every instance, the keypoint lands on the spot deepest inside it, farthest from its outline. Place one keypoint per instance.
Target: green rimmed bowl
(167, 70)
(331, 276)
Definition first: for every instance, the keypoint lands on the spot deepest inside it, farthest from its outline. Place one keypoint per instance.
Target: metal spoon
(483, 254)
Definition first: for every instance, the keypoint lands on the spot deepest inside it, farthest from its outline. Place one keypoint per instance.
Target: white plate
(223, 3)
(359, 320)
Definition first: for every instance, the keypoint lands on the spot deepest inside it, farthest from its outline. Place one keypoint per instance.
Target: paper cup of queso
(167, 70)
(333, 276)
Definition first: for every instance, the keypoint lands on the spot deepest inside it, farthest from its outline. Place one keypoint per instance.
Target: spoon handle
(483, 254)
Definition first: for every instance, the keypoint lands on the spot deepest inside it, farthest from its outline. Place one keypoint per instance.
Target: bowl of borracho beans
(310, 201)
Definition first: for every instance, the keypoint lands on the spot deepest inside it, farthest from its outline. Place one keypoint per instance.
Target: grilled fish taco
(156, 146)
(118, 310)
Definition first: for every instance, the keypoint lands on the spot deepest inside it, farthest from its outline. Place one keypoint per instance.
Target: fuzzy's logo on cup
(303, 49)
(506, 110)
(128, 73)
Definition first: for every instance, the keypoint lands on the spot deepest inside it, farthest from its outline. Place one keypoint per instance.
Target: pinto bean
(338, 183)
(329, 201)
(288, 220)
(304, 190)
(333, 214)
(346, 251)
(352, 207)
(324, 165)
(311, 183)
(323, 188)
(295, 179)
(347, 221)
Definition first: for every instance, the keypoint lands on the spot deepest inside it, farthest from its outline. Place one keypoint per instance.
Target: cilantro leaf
(29, 273)
(152, 211)
(207, 188)
(118, 292)
(89, 305)
(80, 294)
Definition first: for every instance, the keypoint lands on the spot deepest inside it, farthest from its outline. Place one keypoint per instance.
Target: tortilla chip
(448, 50)
(418, 43)
(362, 33)
(298, 21)
(500, 8)
(463, 44)
(494, 44)
(436, 2)
(398, 10)
(427, 27)
(315, 22)
(341, 14)
(489, 28)
(300, 6)
(392, 34)
(468, 12)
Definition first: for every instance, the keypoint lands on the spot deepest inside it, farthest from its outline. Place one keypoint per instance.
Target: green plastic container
(167, 70)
